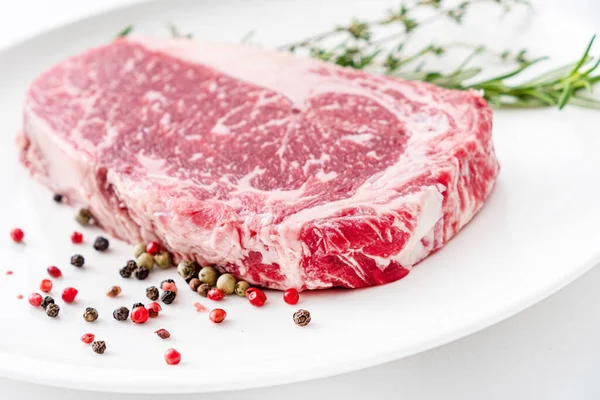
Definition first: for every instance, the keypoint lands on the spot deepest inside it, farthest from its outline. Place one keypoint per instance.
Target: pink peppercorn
(88, 338)
(54, 271)
(35, 299)
(77, 237)
(291, 296)
(217, 315)
(46, 286)
(17, 235)
(172, 357)
(215, 294)
(152, 248)
(69, 294)
(139, 315)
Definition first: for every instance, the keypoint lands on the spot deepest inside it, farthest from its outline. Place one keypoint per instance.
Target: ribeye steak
(285, 171)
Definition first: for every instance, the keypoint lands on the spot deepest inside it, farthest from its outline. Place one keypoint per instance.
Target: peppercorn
(76, 237)
(169, 286)
(291, 296)
(217, 315)
(69, 294)
(17, 235)
(145, 260)
(203, 289)
(125, 272)
(241, 287)
(216, 294)
(163, 259)
(166, 281)
(121, 314)
(90, 314)
(208, 275)
(152, 313)
(302, 317)
(47, 301)
(256, 297)
(54, 272)
(152, 293)
(153, 248)
(168, 297)
(163, 333)
(87, 338)
(154, 308)
(101, 243)
(35, 299)
(135, 305)
(52, 310)
(83, 216)
(187, 269)
(226, 283)
(45, 285)
(57, 198)
(77, 260)
(141, 273)
(195, 284)
(99, 347)
(139, 249)
(172, 357)
(114, 291)
(139, 315)
(131, 264)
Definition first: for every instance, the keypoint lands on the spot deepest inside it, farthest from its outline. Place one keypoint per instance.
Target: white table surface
(550, 351)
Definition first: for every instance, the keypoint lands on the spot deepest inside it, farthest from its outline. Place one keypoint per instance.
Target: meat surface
(285, 171)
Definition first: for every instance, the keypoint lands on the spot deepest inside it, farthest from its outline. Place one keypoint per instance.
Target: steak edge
(285, 171)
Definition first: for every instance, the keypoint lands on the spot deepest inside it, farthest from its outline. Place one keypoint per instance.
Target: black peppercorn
(131, 264)
(77, 260)
(58, 198)
(203, 289)
(141, 273)
(99, 347)
(121, 314)
(52, 310)
(90, 314)
(101, 243)
(47, 301)
(168, 296)
(152, 293)
(125, 272)
(302, 317)
(83, 216)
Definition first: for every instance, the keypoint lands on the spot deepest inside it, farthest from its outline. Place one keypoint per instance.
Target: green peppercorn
(145, 260)
(83, 216)
(203, 289)
(139, 249)
(90, 314)
(241, 287)
(226, 283)
(163, 259)
(187, 269)
(208, 275)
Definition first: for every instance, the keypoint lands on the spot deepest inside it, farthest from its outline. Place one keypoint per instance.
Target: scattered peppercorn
(99, 347)
(302, 317)
(125, 272)
(208, 275)
(9, 272)
(47, 301)
(195, 284)
(187, 269)
(154, 308)
(121, 314)
(217, 315)
(114, 291)
(256, 297)
(101, 243)
(215, 294)
(35, 299)
(141, 273)
(131, 264)
(83, 216)
(152, 293)
(291, 296)
(69, 294)
(169, 285)
(17, 235)
(203, 289)
(88, 338)
(57, 198)
(19, 297)
(152, 248)
(46, 285)
(168, 297)
(145, 260)
(163, 333)
(54, 271)
(139, 315)
(139, 249)
(52, 310)
(172, 357)
(138, 304)
(226, 283)
(241, 287)
(166, 281)
(152, 313)
(199, 307)
(77, 260)
(76, 237)
(163, 259)
(90, 314)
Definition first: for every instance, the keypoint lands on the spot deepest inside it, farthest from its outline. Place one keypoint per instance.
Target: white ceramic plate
(538, 232)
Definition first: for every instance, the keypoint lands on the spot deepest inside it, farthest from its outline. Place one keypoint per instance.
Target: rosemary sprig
(356, 48)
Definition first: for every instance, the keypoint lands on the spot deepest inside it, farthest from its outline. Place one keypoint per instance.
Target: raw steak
(285, 171)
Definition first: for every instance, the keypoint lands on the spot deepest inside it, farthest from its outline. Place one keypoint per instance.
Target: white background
(550, 351)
